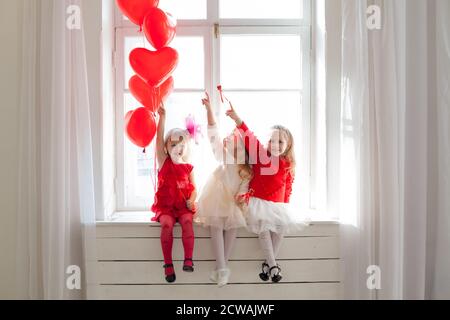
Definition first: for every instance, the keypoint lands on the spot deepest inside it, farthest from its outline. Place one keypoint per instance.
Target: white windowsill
(144, 218)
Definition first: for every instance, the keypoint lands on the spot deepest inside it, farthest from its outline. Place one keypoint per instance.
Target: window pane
(179, 106)
(130, 44)
(183, 9)
(139, 167)
(261, 61)
(261, 9)
(263, 110)
(190, 73)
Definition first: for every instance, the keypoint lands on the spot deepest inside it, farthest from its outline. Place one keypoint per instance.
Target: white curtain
(441, 280)
(392, 81)
(56, 216)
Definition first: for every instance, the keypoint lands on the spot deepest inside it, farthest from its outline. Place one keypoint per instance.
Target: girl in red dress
(269, 214)
(176, 194)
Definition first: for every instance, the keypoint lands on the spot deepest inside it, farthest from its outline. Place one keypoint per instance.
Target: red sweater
(272, 179)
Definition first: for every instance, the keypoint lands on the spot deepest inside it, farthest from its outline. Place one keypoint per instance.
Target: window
(259, 52)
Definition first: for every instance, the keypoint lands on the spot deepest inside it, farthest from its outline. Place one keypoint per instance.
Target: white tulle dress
(217, 206)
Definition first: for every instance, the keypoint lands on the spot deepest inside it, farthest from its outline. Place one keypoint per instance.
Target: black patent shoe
(276, 277)
(171, 277)
(265, 274)
(188, 268)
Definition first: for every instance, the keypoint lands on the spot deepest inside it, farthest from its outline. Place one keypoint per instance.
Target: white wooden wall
(130, 265)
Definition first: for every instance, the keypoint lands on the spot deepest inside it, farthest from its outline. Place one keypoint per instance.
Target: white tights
(270, 244)
(222, 244)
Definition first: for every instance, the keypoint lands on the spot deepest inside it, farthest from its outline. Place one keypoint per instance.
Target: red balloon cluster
(153, 82)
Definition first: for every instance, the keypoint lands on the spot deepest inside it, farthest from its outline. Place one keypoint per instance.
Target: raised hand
(162, 111)
(210, 114)
(233, 115)
(206, 101)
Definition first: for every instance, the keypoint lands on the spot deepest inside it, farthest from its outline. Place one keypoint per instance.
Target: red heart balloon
(140, 127)
(155, 67)
(150, 97)
(136, 10)
(165, 90)
(159, 28)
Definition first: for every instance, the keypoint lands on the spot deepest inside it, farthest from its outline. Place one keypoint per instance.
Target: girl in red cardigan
(270, 191)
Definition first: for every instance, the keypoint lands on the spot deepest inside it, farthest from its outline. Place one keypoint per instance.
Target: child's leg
(265, 241)
(230, 237)
(188, 237)
(167, 223)
(218, 247)
(277, 239)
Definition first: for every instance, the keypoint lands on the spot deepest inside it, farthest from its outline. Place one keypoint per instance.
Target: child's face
(232, 140)
(234, 146)
(278, 143)
(176, 148)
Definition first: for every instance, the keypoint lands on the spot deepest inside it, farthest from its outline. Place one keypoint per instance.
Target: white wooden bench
(130, 265)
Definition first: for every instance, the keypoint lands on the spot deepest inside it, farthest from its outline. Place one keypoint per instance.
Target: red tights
(167, 224)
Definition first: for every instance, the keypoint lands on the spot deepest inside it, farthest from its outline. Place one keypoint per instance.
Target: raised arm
(213, 132)
(252, 144)
(160, 148)
(210, 114)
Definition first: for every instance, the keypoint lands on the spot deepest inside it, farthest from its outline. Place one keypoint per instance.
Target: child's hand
(239, 198)
(162, 111)
(233, 115)
(191, 205)
(241, 201)
(206, 101)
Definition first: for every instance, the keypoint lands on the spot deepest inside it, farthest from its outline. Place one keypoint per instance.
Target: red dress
(174, 189)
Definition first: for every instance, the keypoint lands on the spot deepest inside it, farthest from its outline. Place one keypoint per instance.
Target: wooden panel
(242, 272)
(281, 291)
(131, 265)
(152, 230)
(245, 249)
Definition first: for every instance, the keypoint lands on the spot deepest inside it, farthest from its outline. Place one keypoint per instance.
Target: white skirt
(271, 216)
(217, 207)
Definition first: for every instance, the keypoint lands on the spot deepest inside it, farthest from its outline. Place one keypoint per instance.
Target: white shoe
(223, 275)
(213, 276)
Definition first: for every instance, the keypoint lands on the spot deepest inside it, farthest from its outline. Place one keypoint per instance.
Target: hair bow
(194, 129)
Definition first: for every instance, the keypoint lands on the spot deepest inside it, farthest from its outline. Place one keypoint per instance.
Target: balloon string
(154, 170)
(154, 100)
(159, 95)
(221, 93)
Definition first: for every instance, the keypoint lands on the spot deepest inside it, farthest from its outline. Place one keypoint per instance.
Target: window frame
(207, 28)
(304, 171)
(214, 18)
(121, 34)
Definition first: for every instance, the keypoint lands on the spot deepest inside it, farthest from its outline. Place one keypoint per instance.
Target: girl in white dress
(223, 200)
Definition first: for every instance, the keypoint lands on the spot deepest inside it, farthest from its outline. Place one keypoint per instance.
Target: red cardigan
(272, 179)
